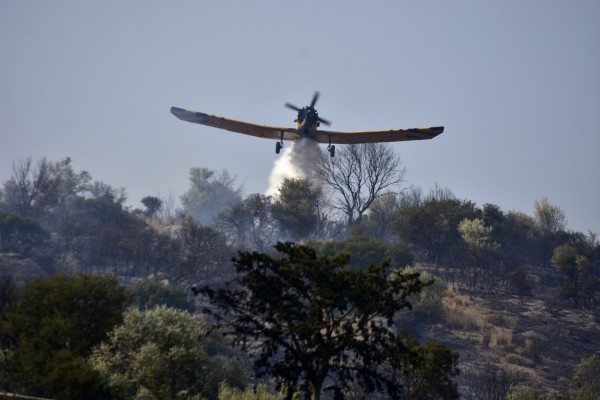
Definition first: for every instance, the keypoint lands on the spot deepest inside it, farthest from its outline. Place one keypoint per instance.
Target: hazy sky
(516, 83)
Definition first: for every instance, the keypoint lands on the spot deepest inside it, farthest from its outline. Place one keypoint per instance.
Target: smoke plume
(297, 161)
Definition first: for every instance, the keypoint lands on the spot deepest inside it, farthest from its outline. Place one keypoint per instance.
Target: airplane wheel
(277, 147)
(332, 151)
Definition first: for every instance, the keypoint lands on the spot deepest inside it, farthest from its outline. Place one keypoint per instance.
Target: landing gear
(279, 145)
(331, 150)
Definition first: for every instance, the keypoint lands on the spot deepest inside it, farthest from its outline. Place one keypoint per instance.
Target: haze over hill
(515, 84)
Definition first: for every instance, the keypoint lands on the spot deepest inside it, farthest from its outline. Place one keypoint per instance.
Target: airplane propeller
(293, 107)
(308, 109)
(314, 100)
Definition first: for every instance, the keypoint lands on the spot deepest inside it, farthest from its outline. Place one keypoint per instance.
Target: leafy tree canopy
(364, 251)
(319, 321)
(159, 354)
(150, 293)
(53, 326)
(296, 206)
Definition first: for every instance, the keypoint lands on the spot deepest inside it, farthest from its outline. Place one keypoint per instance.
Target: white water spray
(297, 161)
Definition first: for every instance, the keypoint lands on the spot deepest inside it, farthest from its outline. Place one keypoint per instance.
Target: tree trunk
(315, 388)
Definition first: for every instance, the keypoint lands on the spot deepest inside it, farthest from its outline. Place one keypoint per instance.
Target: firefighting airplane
(308, 121)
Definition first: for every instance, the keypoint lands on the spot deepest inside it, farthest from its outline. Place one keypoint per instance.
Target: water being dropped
(297, 161)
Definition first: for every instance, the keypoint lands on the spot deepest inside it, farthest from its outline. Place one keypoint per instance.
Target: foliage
(150, 293)
(382, 212)
(259, 392)
(427, 306)
(30, 189)
(550, 220)
(251, 223)
(364, 251)
(585, 385)
(432, 229)
(582, 272)
(153, 205)
(427, 371)
(203, 252)
(317, 320)
(478, 239)
(159, 354)
(586, 377)
(523, 393)
(296, 207)
(209, 194)
(24, 238)
(52, 327)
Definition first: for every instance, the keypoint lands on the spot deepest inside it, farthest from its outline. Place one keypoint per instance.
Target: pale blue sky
(516, 83)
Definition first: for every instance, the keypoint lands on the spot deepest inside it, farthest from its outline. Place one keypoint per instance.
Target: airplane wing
(392, 135)
(263, 131)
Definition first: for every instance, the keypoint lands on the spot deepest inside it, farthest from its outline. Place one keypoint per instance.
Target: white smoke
(297, 161)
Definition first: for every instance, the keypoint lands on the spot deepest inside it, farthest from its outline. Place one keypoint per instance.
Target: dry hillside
(530, 340)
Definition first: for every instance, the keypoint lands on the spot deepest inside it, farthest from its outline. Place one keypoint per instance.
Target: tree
(364, 251)
(30, 189)
(318, 322)
(382, 212)
(259, 392)
(550, 220)
(358, 175)
(251, 223)
(478, 239)
(209, 193)
(101, 234)
(582, 270)
(428, 370)
(427, 306)
(70, 183)
(152, 204)
(150, 293)
(203, 253)
(53, 327)
(20, 235)
(160, 354)
(432, 228)
(587, 378)
(296, 207)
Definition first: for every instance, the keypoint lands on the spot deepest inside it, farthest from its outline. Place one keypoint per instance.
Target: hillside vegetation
(84, 278)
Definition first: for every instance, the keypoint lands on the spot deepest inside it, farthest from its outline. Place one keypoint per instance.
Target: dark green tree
(364, 251)
(203, 254)
(150, 293)
(20, 235)
(53, 327)
(320, 324)
(296, 207)
(427, 370)
(153, 205)
(581, 269)
(432, 229)
(587, 378)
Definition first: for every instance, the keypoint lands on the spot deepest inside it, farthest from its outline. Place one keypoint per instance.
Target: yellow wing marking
(392, 135)
(263, 131)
